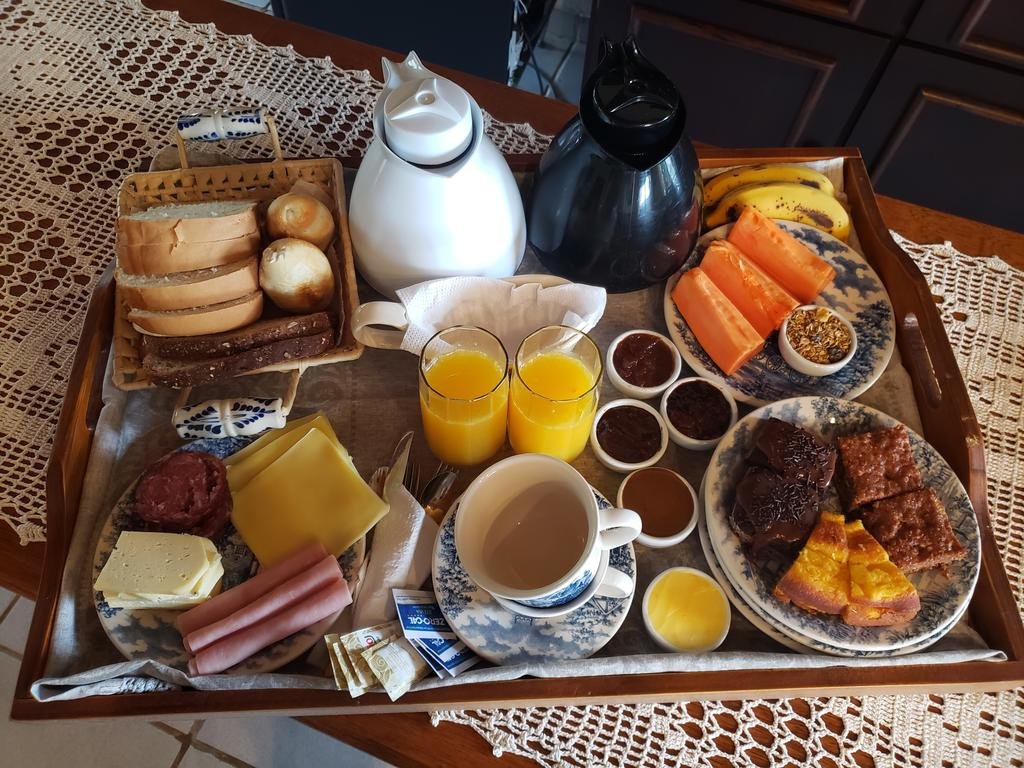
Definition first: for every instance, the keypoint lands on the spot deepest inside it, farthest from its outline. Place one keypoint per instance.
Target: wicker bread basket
(245, 181)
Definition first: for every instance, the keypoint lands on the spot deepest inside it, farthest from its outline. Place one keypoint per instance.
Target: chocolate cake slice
(915, 531)
(772, 511)
(876, 465)
(794, 453)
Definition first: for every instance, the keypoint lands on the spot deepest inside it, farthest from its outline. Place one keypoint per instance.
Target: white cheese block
(208, 586)
(156, 564)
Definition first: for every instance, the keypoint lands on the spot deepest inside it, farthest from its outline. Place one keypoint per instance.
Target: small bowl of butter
(686, 611)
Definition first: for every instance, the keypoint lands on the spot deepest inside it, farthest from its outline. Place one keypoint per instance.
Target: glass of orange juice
(464, 394)
(554, 392)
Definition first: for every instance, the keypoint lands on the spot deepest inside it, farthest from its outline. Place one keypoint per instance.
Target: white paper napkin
(508, 311)
(403, 542)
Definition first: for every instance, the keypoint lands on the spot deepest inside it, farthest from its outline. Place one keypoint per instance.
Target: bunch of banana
(778, 191)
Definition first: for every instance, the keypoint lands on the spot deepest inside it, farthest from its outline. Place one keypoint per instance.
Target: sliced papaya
(785, 259)
(760, 299)
(720, 328)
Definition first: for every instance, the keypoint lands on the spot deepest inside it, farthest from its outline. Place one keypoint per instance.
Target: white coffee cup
(519, 499)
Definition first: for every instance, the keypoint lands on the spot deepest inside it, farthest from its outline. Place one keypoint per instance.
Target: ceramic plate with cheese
(154, 576)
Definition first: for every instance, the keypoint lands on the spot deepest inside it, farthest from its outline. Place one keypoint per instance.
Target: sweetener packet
(453, 658)
(428, 632)
(396, 664)
(420, 615)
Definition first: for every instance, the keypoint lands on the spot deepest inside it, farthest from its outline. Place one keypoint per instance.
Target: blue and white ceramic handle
(230, 417)
(214, 126)
(617, 527)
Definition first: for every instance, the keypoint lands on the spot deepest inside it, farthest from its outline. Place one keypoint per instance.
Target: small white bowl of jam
(640, 364)
(628, 435)
(698, 413)
(686, 611)
(666, 503)
(816, 340)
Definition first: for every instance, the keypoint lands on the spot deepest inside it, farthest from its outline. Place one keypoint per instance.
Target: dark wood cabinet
(886, 16)
(988, 29)
(931, 90)
(947, 134)
(747, 79)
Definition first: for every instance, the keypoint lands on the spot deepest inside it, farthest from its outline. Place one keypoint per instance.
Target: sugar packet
(426, 629)
(396, 664)
(346, 652)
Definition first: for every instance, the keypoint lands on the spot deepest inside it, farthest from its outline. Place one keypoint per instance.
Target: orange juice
(464, 406)
(553, 405)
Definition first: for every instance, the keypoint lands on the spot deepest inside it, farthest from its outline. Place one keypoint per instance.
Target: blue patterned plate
(504, 637)
(943, 598)
(856, 292)
(151, 634)
(784, 635)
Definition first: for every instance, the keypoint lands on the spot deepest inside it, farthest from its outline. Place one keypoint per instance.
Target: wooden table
(409, 739)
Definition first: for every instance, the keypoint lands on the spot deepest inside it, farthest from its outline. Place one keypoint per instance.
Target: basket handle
(233, 416)
(218, 126)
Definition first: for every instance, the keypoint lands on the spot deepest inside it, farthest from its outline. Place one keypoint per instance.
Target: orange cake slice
(819, 578)
(880, 593)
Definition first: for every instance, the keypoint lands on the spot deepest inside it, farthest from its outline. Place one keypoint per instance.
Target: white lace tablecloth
(89, 90)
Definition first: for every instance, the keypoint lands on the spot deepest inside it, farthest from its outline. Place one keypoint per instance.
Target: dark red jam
(699, 410)
(629, 434)
(643, 360)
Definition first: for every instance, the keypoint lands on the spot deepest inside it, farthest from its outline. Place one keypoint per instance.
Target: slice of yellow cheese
(208, 586)
(244, 465)
(312, 491)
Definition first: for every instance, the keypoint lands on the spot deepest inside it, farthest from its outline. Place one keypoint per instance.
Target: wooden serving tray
(949, 424)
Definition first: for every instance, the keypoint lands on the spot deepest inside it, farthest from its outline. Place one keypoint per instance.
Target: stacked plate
(944, 596)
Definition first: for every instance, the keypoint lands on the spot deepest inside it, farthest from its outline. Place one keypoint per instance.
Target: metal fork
(411, 479)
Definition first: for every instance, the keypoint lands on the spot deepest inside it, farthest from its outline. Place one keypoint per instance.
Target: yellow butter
(171, 564)
(312, 491)
(244, 465)
(687, 611)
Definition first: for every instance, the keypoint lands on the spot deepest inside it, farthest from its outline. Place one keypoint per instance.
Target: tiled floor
(265, 742)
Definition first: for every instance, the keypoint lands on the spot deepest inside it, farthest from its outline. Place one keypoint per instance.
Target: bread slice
(180, 373)
(192, 348)
(188, 222)
(212, 318)
(170, 258)
(184, 290)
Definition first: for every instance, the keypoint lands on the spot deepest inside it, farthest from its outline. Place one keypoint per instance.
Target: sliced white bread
(188, 222)
(197, 321)
(184, 290)
(170, 258)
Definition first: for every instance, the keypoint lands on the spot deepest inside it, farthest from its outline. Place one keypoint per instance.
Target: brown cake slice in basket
(819, 578)
(880, 593)
(915, 530)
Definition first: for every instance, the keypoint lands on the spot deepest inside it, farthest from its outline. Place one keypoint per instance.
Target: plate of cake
(841, 527)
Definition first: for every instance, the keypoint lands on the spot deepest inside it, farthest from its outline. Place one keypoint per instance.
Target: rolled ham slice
(280, 597)
(230, 650)
(236, 598)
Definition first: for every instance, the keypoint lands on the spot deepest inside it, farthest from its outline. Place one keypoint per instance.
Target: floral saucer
(943, 598)
(784, 635)
(151, 634)
(504, 637)
(856, 292)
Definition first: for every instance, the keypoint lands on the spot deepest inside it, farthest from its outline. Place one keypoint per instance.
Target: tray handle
(919, 359)
(218, 126)
(233, 416)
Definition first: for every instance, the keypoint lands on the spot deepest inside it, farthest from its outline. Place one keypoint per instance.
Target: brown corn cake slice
(914, 529)
(880, 593)
(876, 465)
(819, 578)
